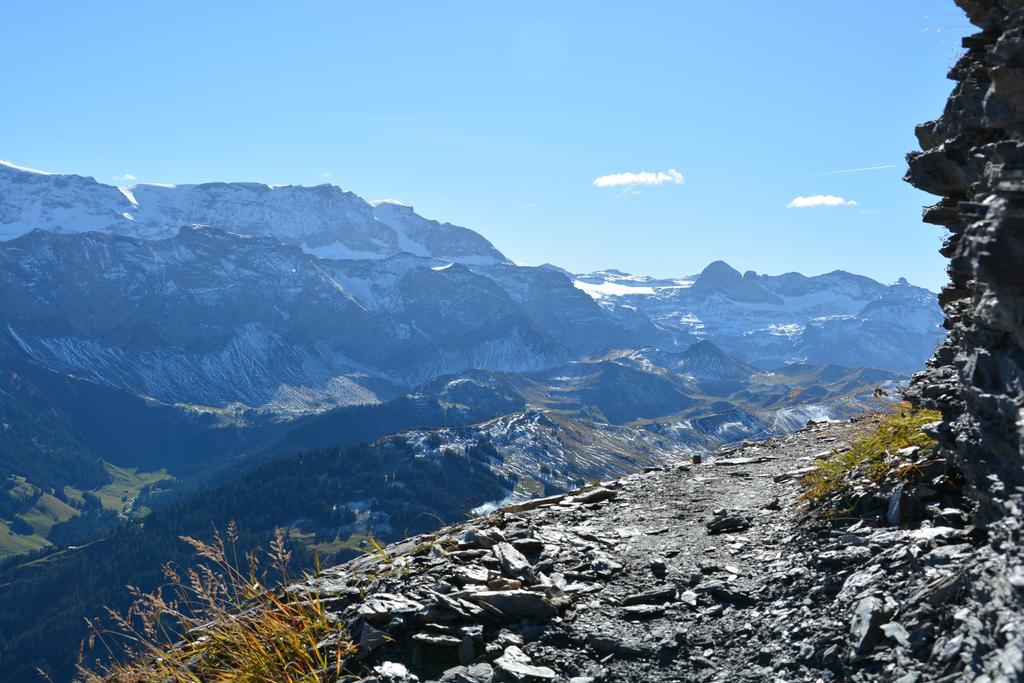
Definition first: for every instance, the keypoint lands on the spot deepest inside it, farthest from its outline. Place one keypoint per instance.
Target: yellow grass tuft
(217, 622)
(873, 454)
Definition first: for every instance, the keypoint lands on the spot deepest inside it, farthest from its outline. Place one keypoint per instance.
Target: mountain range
(294, 299)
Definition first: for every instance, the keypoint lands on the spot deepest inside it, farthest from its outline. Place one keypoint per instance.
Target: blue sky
(500, 118)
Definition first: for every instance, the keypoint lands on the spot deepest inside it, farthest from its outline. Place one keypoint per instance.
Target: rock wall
(973, 159)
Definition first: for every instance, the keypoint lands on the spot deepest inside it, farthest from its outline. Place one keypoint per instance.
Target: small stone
(383, 606)
(514, 665)
(594, 495)
(896, 631)
(643, 611)
(727, 525)
(514, 564)
(393, 672)
(437, 639)
(651, 597)
(500, 583)
(475, 673)
(481, 538)
(864, 627)
(614, 645)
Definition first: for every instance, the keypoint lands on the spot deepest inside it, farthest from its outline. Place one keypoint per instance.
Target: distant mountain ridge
(294, 300)
(213, 318)
(324, 220)
(768, 320)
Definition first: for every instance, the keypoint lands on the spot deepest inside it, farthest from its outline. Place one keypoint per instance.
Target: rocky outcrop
(973, 158)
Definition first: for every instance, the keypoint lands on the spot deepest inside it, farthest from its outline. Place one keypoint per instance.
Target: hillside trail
(696, 572)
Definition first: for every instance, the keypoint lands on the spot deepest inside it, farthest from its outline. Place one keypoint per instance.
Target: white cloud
(642, 178)
(126, 176)
(816, 200)
(326, 174)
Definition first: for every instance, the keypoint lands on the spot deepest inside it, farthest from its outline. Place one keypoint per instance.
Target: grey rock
(437, 639)
(615, 645)
(481, 538)
(865, 624)
(896, 631)
(394, 672)
(474, 673)
(651, 597)
(596, 494)
(514, 665)
(729, 524)
(383, 606)
(517, 603)
(643, 611)
(514, 564)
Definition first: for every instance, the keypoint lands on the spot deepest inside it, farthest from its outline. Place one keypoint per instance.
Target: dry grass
(873, 454)
(217, 622)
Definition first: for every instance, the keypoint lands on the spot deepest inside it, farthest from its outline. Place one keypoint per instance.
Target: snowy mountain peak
(718, 273)
(325, 220)
(721, 278)
(25, 169)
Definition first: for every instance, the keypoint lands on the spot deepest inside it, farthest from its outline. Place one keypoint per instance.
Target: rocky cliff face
(973, 158)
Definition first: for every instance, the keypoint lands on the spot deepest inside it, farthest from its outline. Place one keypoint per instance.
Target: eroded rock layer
(973, 158)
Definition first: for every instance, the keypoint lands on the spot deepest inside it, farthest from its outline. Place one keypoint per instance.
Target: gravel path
(693, 573)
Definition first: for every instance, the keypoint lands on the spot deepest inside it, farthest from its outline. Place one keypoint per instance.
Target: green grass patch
(16, 544)
(356, 543)
(46, 512)
(119, 495)
(873, 454)
(126, 483)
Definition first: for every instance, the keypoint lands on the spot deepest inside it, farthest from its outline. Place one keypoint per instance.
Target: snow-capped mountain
(769, 320)
(296, 299)
(324, 220)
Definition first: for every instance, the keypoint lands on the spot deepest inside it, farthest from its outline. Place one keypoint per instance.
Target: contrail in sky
(855, 170)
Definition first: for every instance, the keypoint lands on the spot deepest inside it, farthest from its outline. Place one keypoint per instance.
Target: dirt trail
(690, 573)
